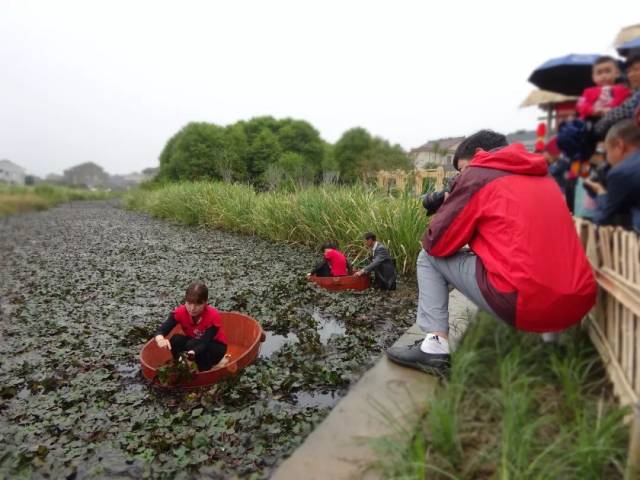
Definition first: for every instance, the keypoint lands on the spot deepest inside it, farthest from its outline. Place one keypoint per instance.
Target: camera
(434, 200)
(598, 175)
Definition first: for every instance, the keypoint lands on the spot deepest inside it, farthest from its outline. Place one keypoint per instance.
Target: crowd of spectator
(595, 156)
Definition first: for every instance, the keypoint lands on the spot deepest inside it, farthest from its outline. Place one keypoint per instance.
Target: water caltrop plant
(177, 371)
(77, 405)
(307, 216)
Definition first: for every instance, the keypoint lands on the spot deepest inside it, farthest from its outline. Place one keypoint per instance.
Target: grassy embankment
(310, 216)
(515, 408)
(22, 199)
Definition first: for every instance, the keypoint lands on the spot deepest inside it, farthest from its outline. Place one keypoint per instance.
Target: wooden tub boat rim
(258, 338)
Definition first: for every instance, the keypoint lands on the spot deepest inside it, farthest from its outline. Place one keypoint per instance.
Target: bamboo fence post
(632, 471)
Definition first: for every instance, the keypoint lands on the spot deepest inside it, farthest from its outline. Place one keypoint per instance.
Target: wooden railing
(614, 323)
(400, 180)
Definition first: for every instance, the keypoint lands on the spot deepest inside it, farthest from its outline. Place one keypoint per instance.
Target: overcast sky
(110, 81)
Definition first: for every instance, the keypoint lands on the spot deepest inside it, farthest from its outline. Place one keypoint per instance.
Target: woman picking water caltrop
(204, 340)
(333, 264)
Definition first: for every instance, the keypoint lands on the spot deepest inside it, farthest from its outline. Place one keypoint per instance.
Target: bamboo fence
(401, 180)
(614, 323)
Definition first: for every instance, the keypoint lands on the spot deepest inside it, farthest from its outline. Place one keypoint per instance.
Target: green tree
(349, 152)
(330, 167)
(167, 167)
(233, 165)
(384, 156)
(195, 152)
(297, 170)
(254, 126)
(359, 155)
(300, 137)
(263, 151)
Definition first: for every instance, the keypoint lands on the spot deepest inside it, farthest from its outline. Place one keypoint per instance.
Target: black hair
(369, 236)
(197, 292)
(605, 59)
(484, 139)
(627, 131)
(326, 245)
(632, 60)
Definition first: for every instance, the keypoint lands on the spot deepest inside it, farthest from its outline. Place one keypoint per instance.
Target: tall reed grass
(515, 408)
(15, 199)
(307, 216)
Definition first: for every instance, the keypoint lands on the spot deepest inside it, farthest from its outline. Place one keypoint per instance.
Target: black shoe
(411, 356)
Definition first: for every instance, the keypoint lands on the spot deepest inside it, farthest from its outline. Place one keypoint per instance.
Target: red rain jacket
(337, 262)
(531, 267)
(210, 317)
(586, 103)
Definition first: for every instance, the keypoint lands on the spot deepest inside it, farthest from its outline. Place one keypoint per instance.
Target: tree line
(268, 152)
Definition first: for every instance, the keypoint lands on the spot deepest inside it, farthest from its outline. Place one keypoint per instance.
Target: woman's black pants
(210, 355)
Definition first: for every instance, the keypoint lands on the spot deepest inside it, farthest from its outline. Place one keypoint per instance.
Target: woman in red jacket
(334, 263)
(203, 339)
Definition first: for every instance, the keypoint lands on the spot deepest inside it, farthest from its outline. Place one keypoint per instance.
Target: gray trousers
(434, 277)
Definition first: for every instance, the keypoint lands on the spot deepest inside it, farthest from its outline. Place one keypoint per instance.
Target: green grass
(308, 216)
(515, 408)
(22, 199)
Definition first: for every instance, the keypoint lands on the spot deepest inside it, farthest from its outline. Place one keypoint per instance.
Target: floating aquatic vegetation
(177, 371)
(83, 287)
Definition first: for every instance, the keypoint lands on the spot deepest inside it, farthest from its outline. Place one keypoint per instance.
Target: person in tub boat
(333, 264)
(204, 339)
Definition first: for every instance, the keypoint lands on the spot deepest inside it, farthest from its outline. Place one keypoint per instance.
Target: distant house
(87, 175)
(435, 153)
(11, 173)
(54, 178)
(150, 172)
(130, 180)
(124, 182)
(526, 137)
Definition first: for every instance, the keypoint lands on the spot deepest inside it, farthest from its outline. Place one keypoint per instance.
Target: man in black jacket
(382, 264)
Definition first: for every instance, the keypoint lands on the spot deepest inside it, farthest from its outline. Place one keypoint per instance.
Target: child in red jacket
(598, 100)
(203, 339)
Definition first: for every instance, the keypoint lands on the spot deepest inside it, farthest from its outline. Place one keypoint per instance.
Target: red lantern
(541, 131)
(540, 146)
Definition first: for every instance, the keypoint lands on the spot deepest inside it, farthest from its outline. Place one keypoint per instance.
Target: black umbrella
(632, 46)
(568, 75)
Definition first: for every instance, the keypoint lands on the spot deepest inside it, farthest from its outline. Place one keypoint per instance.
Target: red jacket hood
(513, 158)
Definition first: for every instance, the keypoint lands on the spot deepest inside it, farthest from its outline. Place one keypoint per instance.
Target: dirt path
(83, 285)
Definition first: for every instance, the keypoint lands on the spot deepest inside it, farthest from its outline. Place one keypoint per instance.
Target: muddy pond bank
(83, 285)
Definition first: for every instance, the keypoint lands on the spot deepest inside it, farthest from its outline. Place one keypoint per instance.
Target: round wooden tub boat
(244, 335)
(347, 282)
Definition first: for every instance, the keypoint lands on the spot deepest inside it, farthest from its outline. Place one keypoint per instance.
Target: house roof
(543, 97)
(450, 143)
(441, 143)
(522, 136)
(8, 165)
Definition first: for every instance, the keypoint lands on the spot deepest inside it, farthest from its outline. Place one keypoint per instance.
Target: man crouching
(525, 265)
